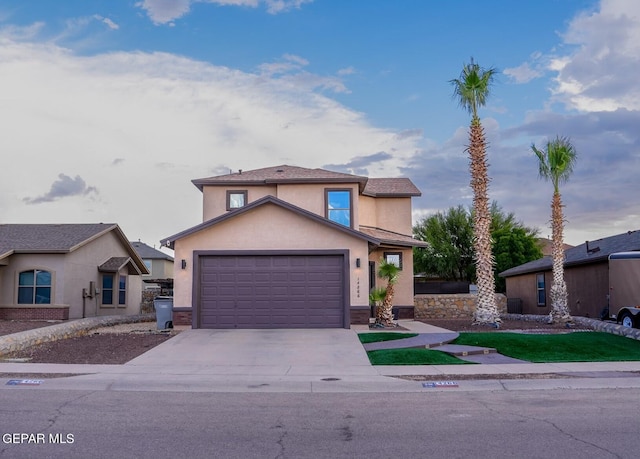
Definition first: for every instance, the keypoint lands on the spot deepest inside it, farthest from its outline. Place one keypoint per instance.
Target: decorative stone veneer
(455, 306)
(22, 340)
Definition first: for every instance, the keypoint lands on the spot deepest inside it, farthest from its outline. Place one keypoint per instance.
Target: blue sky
(110, 109)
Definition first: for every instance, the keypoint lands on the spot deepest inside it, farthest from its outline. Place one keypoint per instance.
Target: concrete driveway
(272, 352)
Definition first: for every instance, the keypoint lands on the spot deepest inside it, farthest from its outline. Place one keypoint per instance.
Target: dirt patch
(114, 345)
(7, 327)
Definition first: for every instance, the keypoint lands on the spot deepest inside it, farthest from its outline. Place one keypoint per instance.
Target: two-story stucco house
(291, 247)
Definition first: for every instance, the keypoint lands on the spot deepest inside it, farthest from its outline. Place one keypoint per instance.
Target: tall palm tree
(472, 90)
(390, 272)
(556, 163)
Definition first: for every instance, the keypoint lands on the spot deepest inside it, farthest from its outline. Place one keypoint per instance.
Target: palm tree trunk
(486, 309)
(558, 292)
(384, 313)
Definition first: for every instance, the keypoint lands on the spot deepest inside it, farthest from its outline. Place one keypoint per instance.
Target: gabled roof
(590, 252)
(115, 264)
(168, 242)
(58, 238)
(281, 174)
(149, 253)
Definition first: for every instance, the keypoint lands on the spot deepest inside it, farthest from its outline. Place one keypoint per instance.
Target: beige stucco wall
(404, 287)
(70, 274)
(393, 214)
(269, 227)
(214, 198)
(308, 196)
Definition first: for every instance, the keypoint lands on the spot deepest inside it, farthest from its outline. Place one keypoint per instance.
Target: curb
(25, 339)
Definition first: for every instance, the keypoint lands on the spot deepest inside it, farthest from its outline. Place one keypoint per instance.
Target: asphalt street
(559, 423)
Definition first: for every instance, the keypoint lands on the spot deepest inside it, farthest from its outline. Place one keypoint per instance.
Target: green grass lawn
(569, 347)
(566, 347)
(412, 357)
(384, 336)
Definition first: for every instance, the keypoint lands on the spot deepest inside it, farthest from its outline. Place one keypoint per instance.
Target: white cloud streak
(166, 11)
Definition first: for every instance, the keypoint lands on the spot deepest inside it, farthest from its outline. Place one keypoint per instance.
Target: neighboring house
(292, 247)
(586, 271)
(159, 266)
(68, 271)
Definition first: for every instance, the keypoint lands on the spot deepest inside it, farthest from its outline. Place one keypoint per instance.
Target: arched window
(34, 287)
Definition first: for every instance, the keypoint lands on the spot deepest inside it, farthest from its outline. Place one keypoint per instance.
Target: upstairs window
(34, 287)
(338, 206)
(236, 199)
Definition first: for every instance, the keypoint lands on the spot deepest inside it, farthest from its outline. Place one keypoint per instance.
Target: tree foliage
(450, 237)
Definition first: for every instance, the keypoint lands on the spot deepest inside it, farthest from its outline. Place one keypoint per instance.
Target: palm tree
(556, 165)
(472, 90)
(384, 313)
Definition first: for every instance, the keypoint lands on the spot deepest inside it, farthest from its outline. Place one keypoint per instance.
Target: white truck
(624, 288)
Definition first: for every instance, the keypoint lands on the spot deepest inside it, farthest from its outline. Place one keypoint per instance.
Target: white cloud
(601, 72)
(523, 73)
(165, 11)
(140, 126)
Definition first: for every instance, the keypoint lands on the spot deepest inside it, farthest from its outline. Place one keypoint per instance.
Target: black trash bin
(164, 312)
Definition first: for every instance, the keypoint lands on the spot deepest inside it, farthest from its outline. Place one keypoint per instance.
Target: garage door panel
(275, 291)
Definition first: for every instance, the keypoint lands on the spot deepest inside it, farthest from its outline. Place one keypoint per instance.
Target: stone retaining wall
(450, 306)
(22, 340)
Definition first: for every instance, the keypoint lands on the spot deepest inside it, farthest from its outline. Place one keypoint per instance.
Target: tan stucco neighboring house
(291, 247)
(67, 271)
(159, 266)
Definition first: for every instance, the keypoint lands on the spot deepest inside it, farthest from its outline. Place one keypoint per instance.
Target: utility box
(164, 312)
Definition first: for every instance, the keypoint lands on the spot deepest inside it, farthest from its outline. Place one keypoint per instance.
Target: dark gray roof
(149, 253)
(378, 187)
(51, 238)
(115, 264)
(391, 237)
(589, 252)
(281, 174)
(59, 238)
(168, 242)
(391, 187)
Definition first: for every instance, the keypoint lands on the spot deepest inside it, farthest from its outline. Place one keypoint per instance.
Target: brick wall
(182, 316)
(35, 313)
(457, 306)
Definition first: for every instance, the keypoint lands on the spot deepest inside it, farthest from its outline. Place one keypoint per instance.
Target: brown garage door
(271, 291)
